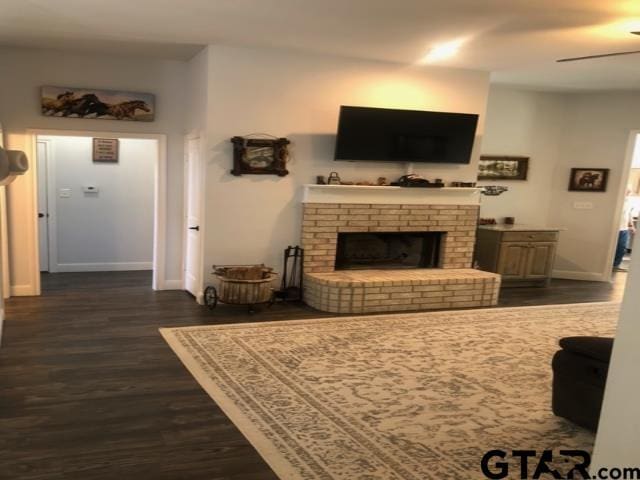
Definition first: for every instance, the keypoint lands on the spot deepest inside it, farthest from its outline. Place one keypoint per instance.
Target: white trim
(22, 291)
(200, 297)
(195, 135)
(584, 276)
(390, 195)
(160, 197)
(622, 190)
(103, 267)
(4, 246)
(174, 284)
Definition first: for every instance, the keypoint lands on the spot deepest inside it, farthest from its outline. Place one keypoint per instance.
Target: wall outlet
(65, 193)
(583, 205)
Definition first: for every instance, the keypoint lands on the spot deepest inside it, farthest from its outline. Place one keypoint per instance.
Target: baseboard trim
(22, 291)
(172, 285)
(584, 276)
(103, 267)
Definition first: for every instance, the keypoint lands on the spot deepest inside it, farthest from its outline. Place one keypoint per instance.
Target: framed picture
(588, 179)
(494, 167)
(261, 156)
(105, 150)
(74, 102)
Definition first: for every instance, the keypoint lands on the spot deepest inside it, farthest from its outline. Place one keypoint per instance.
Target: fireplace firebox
(388, 250)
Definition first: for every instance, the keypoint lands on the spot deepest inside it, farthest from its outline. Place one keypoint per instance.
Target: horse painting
(100, 104)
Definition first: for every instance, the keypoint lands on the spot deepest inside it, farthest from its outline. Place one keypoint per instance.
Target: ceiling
(517, 40)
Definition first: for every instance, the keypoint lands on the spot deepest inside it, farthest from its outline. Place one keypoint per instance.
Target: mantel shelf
(372, 194)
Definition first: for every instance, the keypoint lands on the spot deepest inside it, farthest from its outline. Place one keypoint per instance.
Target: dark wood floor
(89, 390)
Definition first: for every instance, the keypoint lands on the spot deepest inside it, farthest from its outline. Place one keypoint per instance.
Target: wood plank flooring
(89, 390)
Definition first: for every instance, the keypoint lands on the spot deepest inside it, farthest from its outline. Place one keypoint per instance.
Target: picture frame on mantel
(503, 167)
(260, 156)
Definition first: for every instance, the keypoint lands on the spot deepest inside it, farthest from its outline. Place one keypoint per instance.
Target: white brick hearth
(330, 210)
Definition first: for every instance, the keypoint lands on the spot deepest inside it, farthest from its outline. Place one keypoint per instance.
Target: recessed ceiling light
(442, 51)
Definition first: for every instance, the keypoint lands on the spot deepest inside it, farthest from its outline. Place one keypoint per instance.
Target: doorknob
(41, 215)
(197, 228)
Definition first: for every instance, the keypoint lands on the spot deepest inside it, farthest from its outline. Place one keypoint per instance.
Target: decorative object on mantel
(497, 167)
(97, 104)
(261, 155)
(334, 179)
(487, 221)
(463, 184)
(493, 190)
(588, 179)
(320, 180)
(382, 181)
(413, 180)
(509, 220)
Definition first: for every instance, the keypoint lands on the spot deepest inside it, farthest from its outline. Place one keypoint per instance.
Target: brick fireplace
(402, 275)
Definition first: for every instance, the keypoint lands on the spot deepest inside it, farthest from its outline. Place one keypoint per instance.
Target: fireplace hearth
(388, 250)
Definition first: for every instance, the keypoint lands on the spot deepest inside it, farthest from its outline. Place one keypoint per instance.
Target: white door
(43, 208)
(194, 172)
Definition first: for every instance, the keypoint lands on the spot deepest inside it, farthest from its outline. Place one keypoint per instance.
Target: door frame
(195, 135)
(52, 247)
(622, 190)
(160, 197)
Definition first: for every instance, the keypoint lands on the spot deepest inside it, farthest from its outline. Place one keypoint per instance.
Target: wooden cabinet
(522, 257)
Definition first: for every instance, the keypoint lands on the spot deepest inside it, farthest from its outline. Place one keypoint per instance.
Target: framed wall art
(105, 150)
(74, 102)
(259, 156)
(495, 167)
(588, 179)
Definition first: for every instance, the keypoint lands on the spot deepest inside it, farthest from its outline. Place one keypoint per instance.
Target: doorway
(100, 214)
(626, 222)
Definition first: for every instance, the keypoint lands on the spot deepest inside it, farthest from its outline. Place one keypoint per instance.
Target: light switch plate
(583, 205)
(65, 193)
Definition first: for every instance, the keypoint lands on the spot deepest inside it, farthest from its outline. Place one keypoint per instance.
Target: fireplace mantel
(390, 195)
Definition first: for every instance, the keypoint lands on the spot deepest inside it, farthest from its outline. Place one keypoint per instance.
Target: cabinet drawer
(529, 236)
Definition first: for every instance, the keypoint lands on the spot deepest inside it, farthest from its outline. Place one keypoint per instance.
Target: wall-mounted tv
(384, 134)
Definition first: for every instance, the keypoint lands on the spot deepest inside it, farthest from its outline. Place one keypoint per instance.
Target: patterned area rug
(413, 396)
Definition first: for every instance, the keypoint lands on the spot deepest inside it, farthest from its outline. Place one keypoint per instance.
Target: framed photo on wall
(500, 167)
(259, 156)
(105, 150)
(588, 179)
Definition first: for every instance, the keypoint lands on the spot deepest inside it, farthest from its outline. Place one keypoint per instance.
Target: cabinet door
(513, 260)
(540, 262)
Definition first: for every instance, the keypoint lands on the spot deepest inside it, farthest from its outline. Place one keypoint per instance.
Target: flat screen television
(384, 134)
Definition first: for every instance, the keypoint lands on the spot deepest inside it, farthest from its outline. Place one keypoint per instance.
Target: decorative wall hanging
(261, 156)
(495, 167)
(105, 150)
(101, 104)
(588, 179)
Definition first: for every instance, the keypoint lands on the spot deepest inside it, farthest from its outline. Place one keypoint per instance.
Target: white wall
(113, 228)
(618, 439)
(530, 124)
(558, 132)
(596, 133)
(253, 218)
(24, 71)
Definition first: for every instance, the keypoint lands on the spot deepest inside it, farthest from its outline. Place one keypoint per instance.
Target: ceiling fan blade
(573, 59)
(636, 33)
